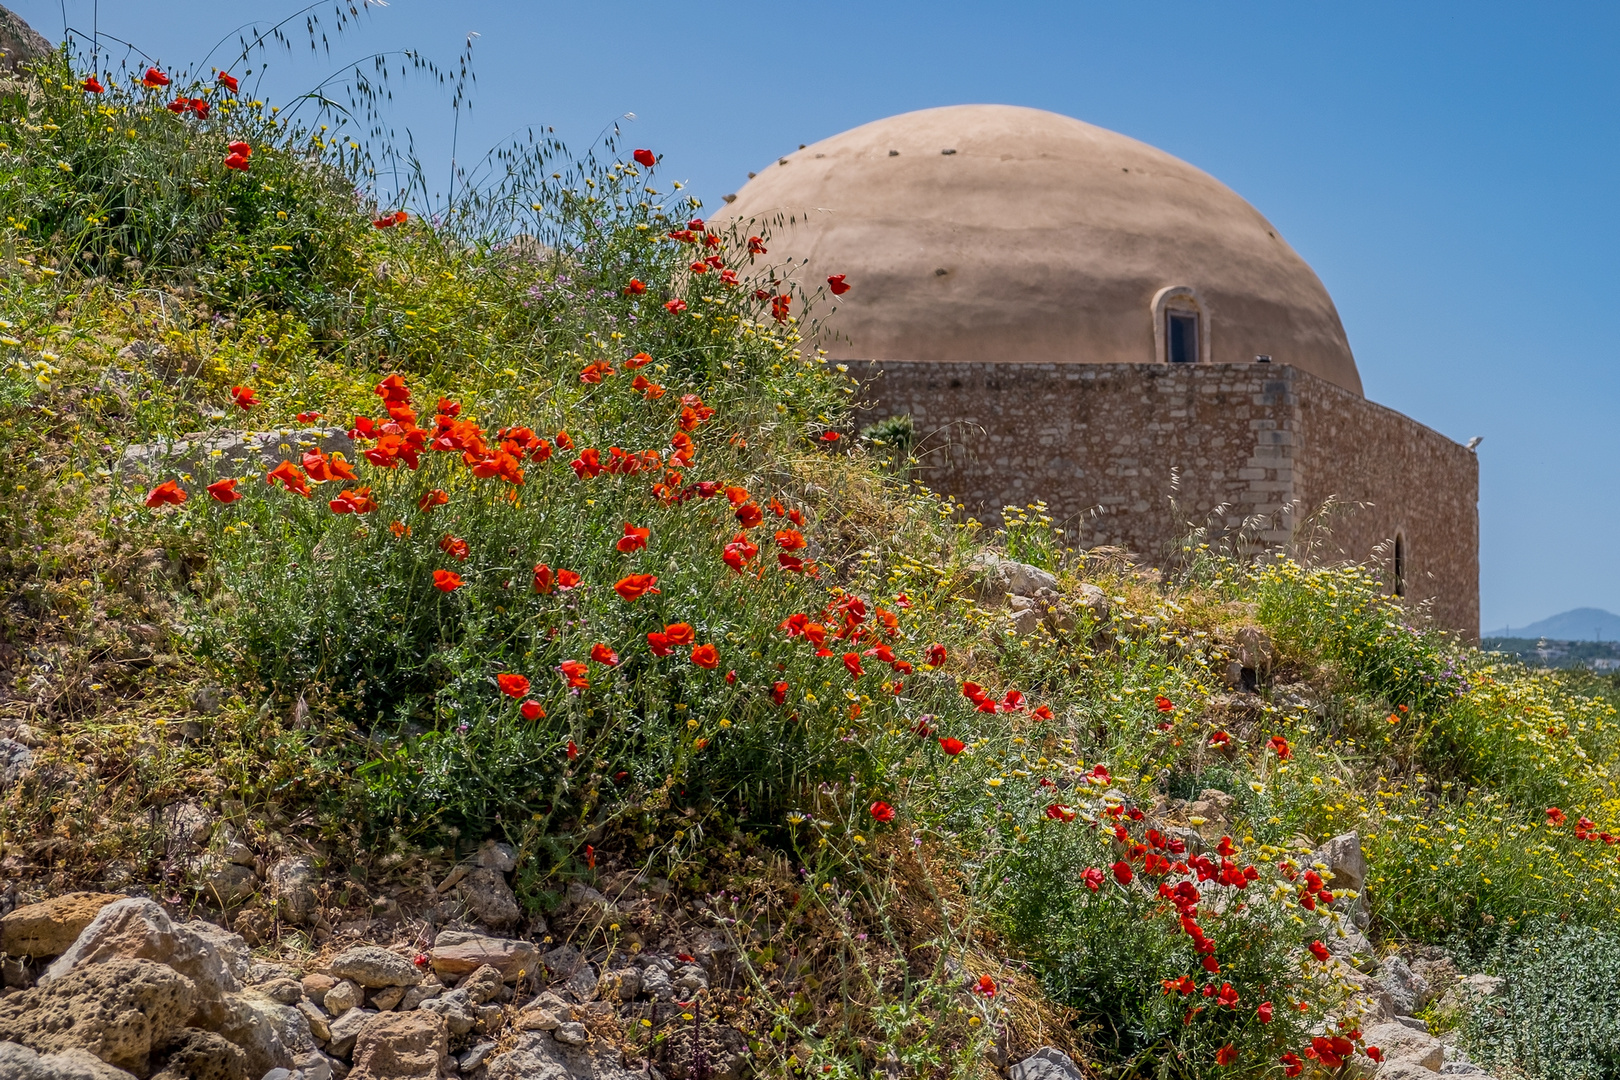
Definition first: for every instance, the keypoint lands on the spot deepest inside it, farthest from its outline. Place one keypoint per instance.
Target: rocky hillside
(489, 645)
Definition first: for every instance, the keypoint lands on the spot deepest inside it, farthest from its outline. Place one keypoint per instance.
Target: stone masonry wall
(1135, 455)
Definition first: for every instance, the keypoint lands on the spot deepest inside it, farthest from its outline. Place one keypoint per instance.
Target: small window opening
(1400, 565)
(1181, 336)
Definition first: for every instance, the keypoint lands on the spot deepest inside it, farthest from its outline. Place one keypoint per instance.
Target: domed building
(1071, 315)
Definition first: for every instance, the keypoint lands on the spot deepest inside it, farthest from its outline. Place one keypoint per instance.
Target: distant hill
(1581, 624)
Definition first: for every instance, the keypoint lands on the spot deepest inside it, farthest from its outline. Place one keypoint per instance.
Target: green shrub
(1556, 1016)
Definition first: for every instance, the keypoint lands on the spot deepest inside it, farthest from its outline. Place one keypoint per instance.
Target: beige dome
(991, 232)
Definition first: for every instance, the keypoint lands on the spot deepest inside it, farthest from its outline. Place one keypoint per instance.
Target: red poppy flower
(568, 579)
(790, 539)
(675, 306)
(634, 539)
(153, 79)
(572, 750)
(952, 746)
(706, 656)
(544, 579)
(1163, 704)
(738, 553)
(224, 490)
(92, 85)
(594, 372)
(680, 633)
(1264, 1012)
(167, 493)
(838, 285)
(228, 81)
(645, 158)
(659, 643)
(749, 515)
(1292, 1065)
(699, 268)
(436, 497)
(604, 655)
(1225, 1055)
(179, 105)
(1556, 816)
(779, 692)
(985, 986)
(633, 587)
(575, 671)
(1375, 1053)
(1227, 996)
(531, 710)
(779, 307)
(1220, 739)
(881, 811)
(244, 397)
(446, 581)
(756, 246)
(238, 162)
(384, 222)
(399, 528)
(513, 686)
(1320, 951)
(455, 547)
(1280, 746)
(353, 501)
(290, 478)
(852, 664)
(244, 150)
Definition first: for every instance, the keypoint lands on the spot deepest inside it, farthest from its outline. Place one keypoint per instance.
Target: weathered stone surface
(15, 760)
(619, 985)
(227, 883)
(429, 987)
(48, 929)
(372, 967)
(401, 1046)
(1403, 1070)
(496, 856)
(186, 827)
(230, 453)
(346, 1029)
(1401, 1043)
(118, 1010)
(999, 577)
(384, 999)
(18, 1062)
(1344, 857)
(319, 1022)
(292, 883)
(20, 43)
(656, 984)
(571, 1034)
(344, 996)
(195, 1054)
(489, 898)
(482, 985)
(1047, 1063)
(457, 1008)
(1408, 990)
(270, 1034)
(283, 991)
(457, 953)
(476, 1056)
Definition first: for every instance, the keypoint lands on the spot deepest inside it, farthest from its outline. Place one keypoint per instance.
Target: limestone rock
(562, 962)
(496, 856)
(1408, 990)
(292, 882)
(47, 930)
(20, 43)
(270, 1034)
(372, 967)
(346, 1029)
(319, 1022)
(1254, 648)
(429, 987)
(231, 453)
(456, 1007)
(227, 883)
(186, 827)
(1401, 1043)
(571, 1034)
(1403, 1070)
(1344, 857)
(119, 1010)
(344, 996)
(999, 576)
(316, 984)
(538, 1019)
(18, 1062)
(619, 985)
(489, 898)
(195, 1054)
(15, 760)
(457, 953)
(385, 999)
(1047, 1063)
(656, 984)
(476, 1056)
(482, 985)
(283, 991)
(401, 1046)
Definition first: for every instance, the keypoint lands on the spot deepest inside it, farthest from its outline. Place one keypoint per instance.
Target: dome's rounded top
(997, 233)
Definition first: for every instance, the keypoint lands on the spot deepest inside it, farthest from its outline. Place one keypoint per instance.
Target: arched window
(1399, 565)
(1180, 326)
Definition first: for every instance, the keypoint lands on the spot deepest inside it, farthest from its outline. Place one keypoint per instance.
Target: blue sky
(1447, 169)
